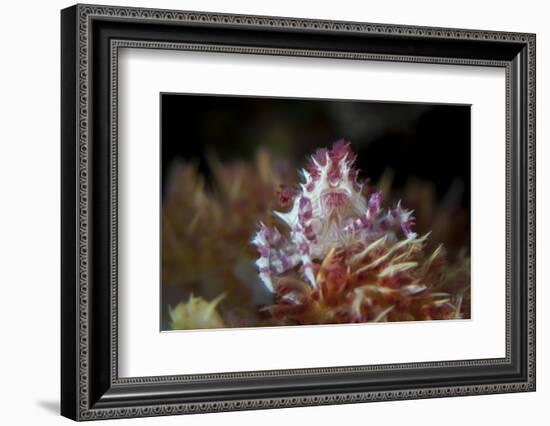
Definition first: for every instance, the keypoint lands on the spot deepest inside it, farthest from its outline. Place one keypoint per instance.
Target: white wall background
(29, 211)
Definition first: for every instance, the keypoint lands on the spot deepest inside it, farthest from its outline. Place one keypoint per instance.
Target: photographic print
(280, 212)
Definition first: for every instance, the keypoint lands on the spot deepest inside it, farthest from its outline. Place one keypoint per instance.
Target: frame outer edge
(531, 213)
(69, 282)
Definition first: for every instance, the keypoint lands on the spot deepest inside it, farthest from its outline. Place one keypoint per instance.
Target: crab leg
(403, 218)
(276, 255)
(397, 217)
(304, 235)
(367, 219)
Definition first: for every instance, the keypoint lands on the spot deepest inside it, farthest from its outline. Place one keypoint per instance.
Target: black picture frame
(90, 38)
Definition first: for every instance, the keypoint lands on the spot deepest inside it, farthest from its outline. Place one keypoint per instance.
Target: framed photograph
(263, 212)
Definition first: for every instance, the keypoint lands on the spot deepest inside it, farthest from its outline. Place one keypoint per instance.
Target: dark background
(428, 141)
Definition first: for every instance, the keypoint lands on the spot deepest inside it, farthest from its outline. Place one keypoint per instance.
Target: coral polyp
(196, 313)
(329, 210)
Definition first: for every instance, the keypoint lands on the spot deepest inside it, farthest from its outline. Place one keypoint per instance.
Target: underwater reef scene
(275, 242)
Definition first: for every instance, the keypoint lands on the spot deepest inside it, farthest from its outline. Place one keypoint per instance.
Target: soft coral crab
(328, 211)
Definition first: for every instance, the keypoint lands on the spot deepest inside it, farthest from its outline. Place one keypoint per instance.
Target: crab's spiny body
(328, 211)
